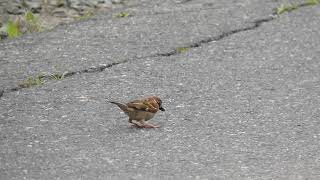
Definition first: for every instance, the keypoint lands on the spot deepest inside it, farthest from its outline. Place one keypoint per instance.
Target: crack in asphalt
(94, 69)
(102, 67)
(184, 1)
(255, 24)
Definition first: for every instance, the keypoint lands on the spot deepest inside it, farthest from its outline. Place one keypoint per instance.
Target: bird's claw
(145, 125)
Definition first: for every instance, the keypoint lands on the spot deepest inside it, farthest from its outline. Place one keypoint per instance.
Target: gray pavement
(153, 29)
(243, 104)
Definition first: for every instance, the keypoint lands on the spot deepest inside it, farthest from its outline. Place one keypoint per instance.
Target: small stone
(60, 3)
(103, 3)
(3, 35)
(117, 1)
(60, 12)
(15, 10)
(35, 6)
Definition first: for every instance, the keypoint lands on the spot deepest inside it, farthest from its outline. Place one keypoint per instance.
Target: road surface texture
(241, 88)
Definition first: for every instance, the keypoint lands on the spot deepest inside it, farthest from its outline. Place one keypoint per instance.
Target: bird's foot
(134, 125)
(143, 125)
(147, 125)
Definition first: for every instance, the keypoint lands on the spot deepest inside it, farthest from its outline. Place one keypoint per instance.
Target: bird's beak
(162, 109)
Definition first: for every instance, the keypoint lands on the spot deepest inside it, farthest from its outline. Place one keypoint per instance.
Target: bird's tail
(121, 106)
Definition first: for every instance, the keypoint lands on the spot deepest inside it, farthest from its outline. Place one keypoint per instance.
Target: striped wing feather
(143, 105)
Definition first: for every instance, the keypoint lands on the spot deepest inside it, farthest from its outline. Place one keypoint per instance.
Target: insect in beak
(162, 109)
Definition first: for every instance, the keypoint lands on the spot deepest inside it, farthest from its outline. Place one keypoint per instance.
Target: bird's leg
(148, 125)
(136, 123)
(133, 124)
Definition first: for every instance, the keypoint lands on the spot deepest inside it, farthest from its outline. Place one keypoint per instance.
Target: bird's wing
(142, 105)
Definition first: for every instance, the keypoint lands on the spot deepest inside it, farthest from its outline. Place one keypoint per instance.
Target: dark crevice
(94, 69)
(99, 68)
(184, 1)
(254, 25)
(184, 11)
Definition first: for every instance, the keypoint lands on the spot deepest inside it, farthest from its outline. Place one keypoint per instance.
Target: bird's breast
(139, 115)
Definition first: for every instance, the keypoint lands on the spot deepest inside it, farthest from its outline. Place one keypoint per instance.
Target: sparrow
(140, 111)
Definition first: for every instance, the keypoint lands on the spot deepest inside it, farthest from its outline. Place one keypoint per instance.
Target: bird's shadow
(121, 129)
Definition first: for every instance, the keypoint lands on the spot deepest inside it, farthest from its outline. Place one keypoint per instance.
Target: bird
(142, 110)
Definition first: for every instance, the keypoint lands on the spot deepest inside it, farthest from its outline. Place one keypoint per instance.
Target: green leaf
(32, 22)
(286, 8)
(312, 2)
(182, 49)
(29, 16)
(12, 29)
(122, 15)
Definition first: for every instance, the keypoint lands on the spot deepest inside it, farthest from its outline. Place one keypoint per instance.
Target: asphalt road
(242, 100)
